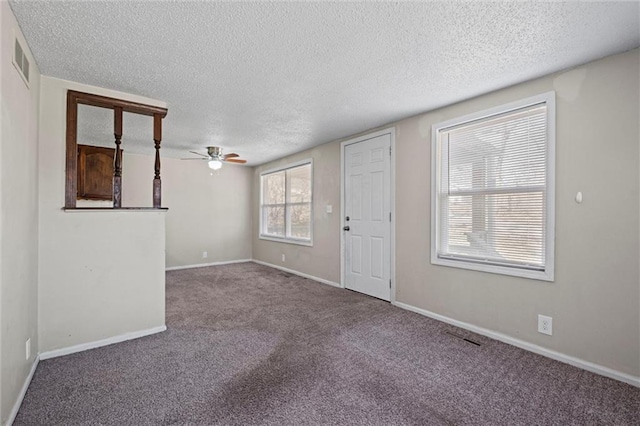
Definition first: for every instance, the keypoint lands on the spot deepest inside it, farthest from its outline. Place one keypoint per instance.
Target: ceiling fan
(215, 157)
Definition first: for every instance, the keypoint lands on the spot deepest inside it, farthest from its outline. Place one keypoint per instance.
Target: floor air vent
(20, 61)
(461, 337)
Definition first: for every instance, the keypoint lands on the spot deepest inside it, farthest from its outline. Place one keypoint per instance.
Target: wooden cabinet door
(95, 172)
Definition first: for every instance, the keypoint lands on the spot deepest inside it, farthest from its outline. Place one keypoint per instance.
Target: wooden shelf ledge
(111, 209)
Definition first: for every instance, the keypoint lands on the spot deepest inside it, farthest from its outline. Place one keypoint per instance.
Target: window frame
(287, 224)
(547, 274)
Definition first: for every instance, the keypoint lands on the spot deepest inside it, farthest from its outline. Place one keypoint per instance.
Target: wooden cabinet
(95, 172)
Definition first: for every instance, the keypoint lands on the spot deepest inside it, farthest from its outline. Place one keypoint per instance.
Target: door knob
(346, 228)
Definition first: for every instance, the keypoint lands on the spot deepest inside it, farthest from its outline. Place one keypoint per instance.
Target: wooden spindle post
(117, 161)
(157, 184)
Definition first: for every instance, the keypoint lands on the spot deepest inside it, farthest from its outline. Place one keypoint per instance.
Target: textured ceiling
(266, 79)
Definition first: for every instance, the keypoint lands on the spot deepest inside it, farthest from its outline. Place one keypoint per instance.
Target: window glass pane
(504, 228)
(273, 188)
(299, 179)
(286, 203)
(458, 220)
(499, 153)
(492, 191)
(300, 219)
(516, 227)
(273, 220)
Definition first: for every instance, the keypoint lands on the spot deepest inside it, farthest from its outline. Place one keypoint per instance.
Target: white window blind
(286, 206)
(492, 192)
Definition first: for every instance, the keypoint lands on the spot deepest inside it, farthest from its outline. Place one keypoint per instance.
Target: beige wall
(595, 298)
(208, 210)
(322, 260)
(18, 217)
(101, 274)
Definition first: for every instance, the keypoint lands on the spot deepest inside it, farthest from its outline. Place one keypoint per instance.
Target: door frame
(391, 131)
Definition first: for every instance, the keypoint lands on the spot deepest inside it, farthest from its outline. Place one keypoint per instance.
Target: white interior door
(367, 220)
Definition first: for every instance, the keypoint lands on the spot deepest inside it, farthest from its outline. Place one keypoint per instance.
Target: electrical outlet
(283, 258)
(204, 254)
(545, 325)
(27, 348)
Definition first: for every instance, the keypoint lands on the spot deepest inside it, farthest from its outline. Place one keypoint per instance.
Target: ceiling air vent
(20, 61)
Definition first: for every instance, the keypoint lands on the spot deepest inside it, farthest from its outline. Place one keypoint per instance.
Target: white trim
(342, 208)
(300, 274)
(204, 265)
(392, 235)
(99, 343)
(549, 99)
(288, 166)
(549, 96)
(283, 240)
(23, 392)
(558, 356)
(480, 266)
(391, 131)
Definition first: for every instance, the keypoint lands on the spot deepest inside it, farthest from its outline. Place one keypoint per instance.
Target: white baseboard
(567, 359)
(23, 392)
(99, 343)
(203, 265)
(300, 274)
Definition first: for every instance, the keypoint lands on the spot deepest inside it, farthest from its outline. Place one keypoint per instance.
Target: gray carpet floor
(251, 345)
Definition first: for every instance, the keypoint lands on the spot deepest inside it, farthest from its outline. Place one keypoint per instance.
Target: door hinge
(389, 150)
(389, 283)
(389, 216)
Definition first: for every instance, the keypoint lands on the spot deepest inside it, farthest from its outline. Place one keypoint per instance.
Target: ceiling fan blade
(235, 160)
(197, 153)
(232, 155)
(194, 158)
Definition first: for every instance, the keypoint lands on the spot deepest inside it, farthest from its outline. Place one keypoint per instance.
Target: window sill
(286, 240)
(495, 269)
(111, 209)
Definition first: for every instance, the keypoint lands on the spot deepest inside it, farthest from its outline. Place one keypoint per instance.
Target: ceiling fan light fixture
(215, 164)
(215, 158)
